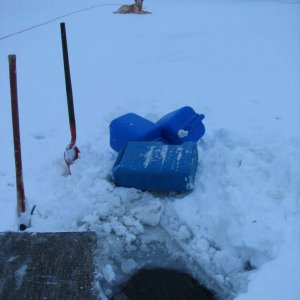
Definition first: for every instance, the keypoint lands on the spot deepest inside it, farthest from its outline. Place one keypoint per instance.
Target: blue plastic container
(132, 127)
(182, 125)
(154, 166)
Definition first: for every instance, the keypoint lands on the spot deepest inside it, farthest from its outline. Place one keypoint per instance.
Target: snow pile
(245, 204)
(237, 62)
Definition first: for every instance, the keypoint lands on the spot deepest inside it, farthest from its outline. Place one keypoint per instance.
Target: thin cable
(55, 19)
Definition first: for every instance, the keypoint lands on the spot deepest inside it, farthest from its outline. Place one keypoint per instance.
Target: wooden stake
(17, 142)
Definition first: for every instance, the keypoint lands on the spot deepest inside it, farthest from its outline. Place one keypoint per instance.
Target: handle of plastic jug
(194, 121)
(201, 117)
(119, 157)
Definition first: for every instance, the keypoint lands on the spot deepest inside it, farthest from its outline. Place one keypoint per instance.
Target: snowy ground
(237, 62)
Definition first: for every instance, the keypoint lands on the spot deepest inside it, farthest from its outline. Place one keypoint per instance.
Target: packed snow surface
(237, 62)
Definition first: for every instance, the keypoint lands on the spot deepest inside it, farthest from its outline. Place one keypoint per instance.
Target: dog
(136, 8)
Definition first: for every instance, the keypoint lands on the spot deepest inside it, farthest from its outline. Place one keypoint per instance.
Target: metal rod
(69, 92)
(16, 134)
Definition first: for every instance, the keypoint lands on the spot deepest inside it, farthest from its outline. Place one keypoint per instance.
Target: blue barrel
(132, 127)
(182, 125)
(154, 166)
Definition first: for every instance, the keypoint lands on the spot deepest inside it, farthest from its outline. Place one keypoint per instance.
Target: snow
(129, 265)
(108, 273)
(19, 275)
(149, 212)
(148, 157)
(237, 62)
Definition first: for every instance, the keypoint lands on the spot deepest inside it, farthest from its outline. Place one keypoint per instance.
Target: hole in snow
(120, 275)
(161, 284)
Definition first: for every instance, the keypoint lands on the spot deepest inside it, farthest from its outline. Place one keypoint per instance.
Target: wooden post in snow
(17, 141)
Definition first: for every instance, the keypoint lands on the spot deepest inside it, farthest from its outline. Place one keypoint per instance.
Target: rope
(53, 20)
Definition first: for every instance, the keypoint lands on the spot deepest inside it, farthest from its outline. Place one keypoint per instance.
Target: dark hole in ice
(248, 266)
(22, 227)
(163, 284)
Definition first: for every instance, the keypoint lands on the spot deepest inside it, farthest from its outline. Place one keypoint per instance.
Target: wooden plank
(47, 265)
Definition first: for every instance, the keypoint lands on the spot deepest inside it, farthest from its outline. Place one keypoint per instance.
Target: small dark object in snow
(162, 284)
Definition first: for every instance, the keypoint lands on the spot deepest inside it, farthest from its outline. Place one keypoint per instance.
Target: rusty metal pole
(17, 141)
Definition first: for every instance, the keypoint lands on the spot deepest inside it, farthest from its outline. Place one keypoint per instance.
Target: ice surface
(237, 62)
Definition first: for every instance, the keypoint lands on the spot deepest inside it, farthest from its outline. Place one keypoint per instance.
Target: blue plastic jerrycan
(182, 125)
(154, 166)
(132, 127)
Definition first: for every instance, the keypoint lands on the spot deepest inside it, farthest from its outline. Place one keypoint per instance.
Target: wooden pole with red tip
(21, 208)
